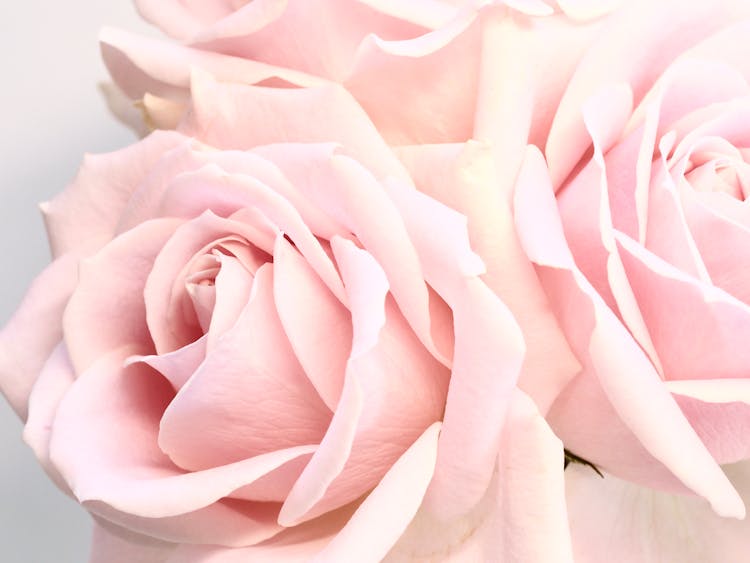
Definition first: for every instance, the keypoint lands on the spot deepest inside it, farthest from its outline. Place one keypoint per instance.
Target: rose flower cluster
(437, 280)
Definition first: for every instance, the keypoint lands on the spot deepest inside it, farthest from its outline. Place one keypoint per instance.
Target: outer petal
(622, 368)
(53, 383)
(392, 392)
(609, 516)
(34, 330)
(636, 45)
(464, 177)
(521, 516)
(137, 486)
(280, 33)
(488, 351)
(140, 65)
(236, 116)
(85, 216)
(113, 544)
(389, 507)
(107, 310)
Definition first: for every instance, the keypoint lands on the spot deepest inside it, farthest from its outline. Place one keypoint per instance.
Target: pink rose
(415, 67)
(442, 99)
(258, 341)
(644, 257)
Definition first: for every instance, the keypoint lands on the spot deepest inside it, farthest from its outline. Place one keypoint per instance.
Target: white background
(51, 114)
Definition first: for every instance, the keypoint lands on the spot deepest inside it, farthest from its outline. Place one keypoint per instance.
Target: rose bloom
(259, 342)
(640, 118)
(644, 257)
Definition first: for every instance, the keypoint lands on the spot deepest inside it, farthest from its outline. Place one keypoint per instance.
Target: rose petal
(389, 507)
(233, 284)
(113, 544)
(521, 516)
(54, 380)
(106, 310)
(272, 115)
(177, 366)
(84, 217)
(293, 545)
(284, 36)
(464, 177)
(609, 516)
(422, 90)
(171, 323)
(137, 486)
(683, 313)
(487, 360)
(212, 187)
(32, 333)
(139, 65)
(303, 301)
(622, 368)
(637, 44)
(391, 393)
(253, 374)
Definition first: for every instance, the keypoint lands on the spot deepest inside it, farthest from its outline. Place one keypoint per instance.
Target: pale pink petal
(233, 284)
(177, 18)
(423, 90)
(236, 116)
(54, 380)
(697, 330)
(604, 130)
(588, 9)
(635, 47)
(521, 110)
(114, 544)
(391, 393)
(610, 517)
(389, 507)
(138, 487)
(281, 174)
(286, 38)
(361, 203)
(212, 188)
(161, 113)
(141, 65)
(723, 426)
(668, 234)
(274, 486)
(303, 302)
(723, 242)
(430, 14)
(521, 516)
(465, 178)
(349, 194)
(626, 375)
(293, 545)
(106, 310)
(84, 217)
(487, 360)
(32, 333)
(177, 366)
(253, 374)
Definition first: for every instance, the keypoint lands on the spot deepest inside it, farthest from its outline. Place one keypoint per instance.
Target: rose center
(718, 172)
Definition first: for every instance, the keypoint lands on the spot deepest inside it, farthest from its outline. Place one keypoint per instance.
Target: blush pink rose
(644, 255)
(415, 67)
(453, 98)
(259, 341)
